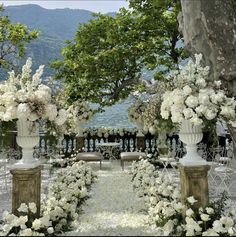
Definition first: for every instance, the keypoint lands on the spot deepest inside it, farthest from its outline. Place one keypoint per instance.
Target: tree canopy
(104, 62)
(13, 40)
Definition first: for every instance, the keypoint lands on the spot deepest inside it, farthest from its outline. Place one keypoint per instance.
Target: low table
(109, 148)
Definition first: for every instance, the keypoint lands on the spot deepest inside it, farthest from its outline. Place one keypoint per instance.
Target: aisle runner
(113, 208)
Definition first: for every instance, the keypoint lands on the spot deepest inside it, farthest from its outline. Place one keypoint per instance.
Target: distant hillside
(55, 25)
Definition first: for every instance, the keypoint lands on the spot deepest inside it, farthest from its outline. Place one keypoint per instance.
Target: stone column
(194, 182)
(79, 143)
(141, 143)
(26, 188)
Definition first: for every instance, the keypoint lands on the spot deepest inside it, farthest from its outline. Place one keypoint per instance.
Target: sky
(91, 5)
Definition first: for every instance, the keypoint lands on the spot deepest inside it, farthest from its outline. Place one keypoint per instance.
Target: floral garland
(105, 132)
(58, 208)
(170, 216)
(197, 99)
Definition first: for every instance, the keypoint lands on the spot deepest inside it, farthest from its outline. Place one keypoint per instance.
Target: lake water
(114, 117)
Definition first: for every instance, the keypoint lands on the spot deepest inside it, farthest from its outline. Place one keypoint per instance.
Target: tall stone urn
(191, 135)
(27, 138)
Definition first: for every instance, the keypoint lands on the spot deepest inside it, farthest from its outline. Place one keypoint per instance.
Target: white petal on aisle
(113, 208)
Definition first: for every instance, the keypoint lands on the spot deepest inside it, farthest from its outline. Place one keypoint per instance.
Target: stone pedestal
(141, 143)
(194, 182)
(26, 188)
(79, 143)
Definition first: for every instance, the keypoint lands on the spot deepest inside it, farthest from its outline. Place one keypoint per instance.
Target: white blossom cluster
(105, 131)
(167, 212)
(144, 175)
(135, 112)
(58, 207)
(195, 98)
(80, 111)
(26, 97)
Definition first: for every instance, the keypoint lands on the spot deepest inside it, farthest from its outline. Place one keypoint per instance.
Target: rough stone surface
(209, 27)
(26, 188)
(194, 182)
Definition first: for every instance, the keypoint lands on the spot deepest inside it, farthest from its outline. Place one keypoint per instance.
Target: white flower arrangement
(152, 120)
(135, 112)
(77, 114)
(167, 212)
(80, 111)
(26, 97)
(58, 207)
(197, 99)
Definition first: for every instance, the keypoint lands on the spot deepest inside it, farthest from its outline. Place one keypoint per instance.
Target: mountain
(55, 26)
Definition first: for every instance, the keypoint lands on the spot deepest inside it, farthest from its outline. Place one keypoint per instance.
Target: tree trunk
(209, 27)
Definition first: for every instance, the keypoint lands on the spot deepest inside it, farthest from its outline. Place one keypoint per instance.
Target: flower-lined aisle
(66, 192)
(113, 208)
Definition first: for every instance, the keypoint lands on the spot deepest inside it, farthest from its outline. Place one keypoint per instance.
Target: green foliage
(13, 40)
(104, 62)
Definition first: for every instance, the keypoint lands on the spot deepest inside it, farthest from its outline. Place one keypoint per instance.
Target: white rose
(191, 101)
(189, 212)
(203, 98)
(196, 121)
(218, 227)
(36, 224)
(205, 217)
(23, 208)
(201, 82)
(210, 210)
(227, 111)
(187, 90)
(188, 113)
(32, 207)
(50, 230)
(191, 200)
(201, 109)
(209, 114)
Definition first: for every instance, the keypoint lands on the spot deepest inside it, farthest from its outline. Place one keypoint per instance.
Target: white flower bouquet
(197, 99)
(26, 97)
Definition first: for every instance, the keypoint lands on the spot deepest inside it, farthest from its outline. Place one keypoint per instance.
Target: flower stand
(26, 188)
(194, 182)
(26, 181)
